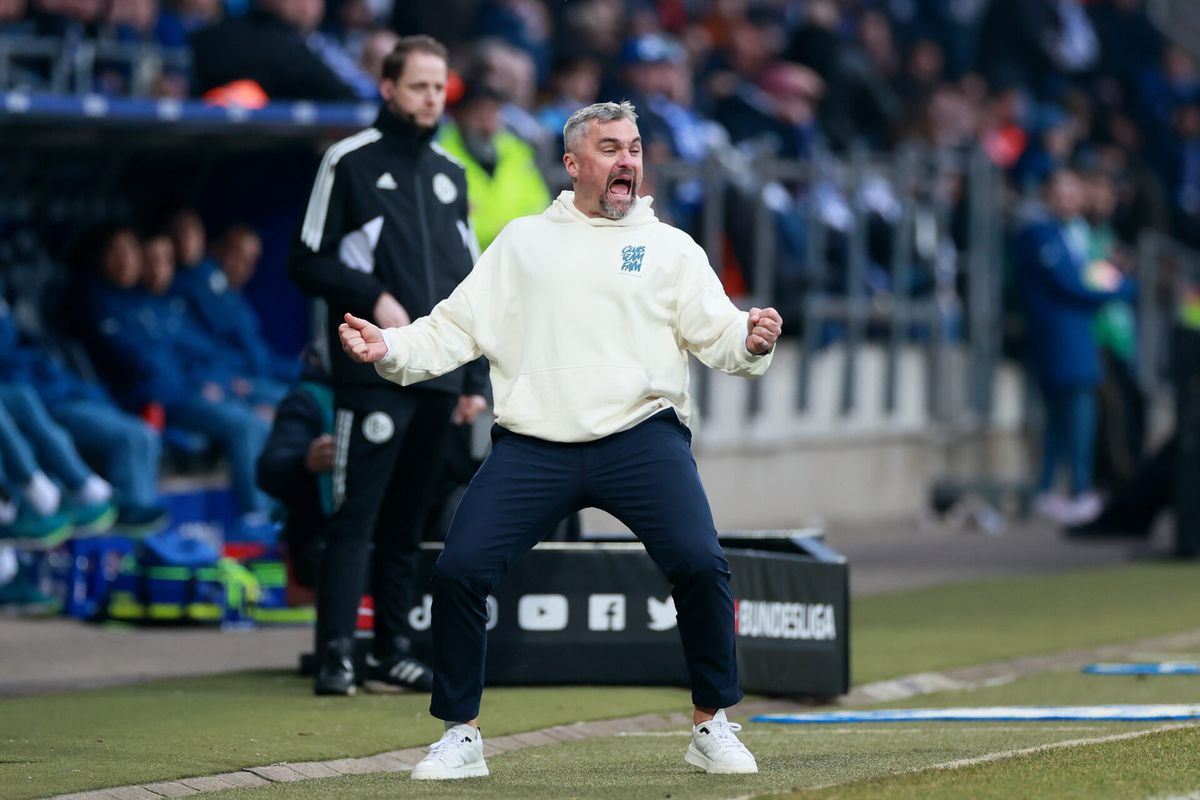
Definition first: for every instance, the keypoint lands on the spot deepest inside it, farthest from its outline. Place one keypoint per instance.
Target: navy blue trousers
(645, 477)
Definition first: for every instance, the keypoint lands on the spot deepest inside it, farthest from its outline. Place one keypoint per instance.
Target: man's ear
(386, 90)
(571, 165)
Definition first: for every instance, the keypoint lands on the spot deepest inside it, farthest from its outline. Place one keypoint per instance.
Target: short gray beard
(612, 212)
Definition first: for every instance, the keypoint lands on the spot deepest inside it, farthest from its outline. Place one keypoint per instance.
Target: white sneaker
(458, 754)
(1082, 509)
(1052, 505)
(715, 749)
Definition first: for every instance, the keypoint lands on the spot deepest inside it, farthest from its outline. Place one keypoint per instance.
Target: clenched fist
(764, 327)
(362, 340)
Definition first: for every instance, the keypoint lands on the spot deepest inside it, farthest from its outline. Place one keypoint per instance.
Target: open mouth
(621, 186)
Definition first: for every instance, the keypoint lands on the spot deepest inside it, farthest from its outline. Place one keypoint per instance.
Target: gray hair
(577, 126)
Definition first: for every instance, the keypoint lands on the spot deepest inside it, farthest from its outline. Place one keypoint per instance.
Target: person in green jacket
(503, 180)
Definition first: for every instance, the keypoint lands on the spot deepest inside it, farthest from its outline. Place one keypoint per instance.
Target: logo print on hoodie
(631, 258)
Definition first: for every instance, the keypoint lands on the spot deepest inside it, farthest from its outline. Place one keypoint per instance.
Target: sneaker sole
(48, 542)
(698, 759)
(96, 526)
(479, 770)
(383, 687)
(335, 692)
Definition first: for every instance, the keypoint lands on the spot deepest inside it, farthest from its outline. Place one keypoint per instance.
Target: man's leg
(646, 477)
(54, 446)
(401, 521)
(368, 422)
(523, 488)
(241, 433)
(127, 446)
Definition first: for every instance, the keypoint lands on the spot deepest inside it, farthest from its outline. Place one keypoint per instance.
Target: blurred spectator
(89, 496)
(271, 47)
(1128, 40)
(503, 181)
(13, 19)
(212, 291)
(445, 20)
(524, 24)
(192, 15)
(593, 28)
(125, 447)
(1036, 43)
(510, 72)
(296, 468)
(860, 104)
(375, 49)
(574, 83)
(36, 519)
(780, 110)
(1183, 174)
(156, 363)
(1051, 149)
(1061, 293)
(1122, 408)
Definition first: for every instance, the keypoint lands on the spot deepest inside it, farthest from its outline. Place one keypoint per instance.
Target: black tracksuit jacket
(387, 212)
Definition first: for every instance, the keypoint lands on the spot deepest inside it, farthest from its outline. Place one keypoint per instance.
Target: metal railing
(66, 66)
(879, 263)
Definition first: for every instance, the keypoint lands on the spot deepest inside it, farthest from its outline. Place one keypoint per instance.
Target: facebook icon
(606, 612)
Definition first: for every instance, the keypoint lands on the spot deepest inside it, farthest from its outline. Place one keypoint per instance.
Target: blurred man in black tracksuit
(385, 236)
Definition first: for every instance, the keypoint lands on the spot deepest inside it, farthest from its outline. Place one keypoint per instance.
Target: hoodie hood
(563, 210)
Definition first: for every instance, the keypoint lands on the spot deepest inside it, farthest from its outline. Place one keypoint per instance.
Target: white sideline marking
(1189, 796)
(1002, 755)
(923, 683)
(856, 731)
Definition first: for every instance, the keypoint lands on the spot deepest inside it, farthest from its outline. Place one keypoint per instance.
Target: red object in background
(246, 551)
(1005, 146)
(454, 88)
(244, 93)
(732, 277)
(366, 614)
(155, 416)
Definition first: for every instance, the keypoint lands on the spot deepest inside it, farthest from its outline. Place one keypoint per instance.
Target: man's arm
(713, 328)
(429, 347)
(314, 264)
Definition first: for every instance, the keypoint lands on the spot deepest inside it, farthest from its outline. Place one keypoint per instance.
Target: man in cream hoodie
(587, 314)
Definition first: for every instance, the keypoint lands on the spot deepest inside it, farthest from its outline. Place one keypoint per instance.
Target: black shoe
(399, 672)
(1107, 529)
(336, 672)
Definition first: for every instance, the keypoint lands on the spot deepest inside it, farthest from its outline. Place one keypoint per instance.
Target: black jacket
(387, 212)
(263, 48)
(305, 414)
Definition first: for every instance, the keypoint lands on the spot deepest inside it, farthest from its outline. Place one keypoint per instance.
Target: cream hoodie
(587, 323)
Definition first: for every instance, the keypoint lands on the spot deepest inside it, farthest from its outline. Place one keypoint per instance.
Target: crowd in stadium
(1042, 86)
(1039, 84)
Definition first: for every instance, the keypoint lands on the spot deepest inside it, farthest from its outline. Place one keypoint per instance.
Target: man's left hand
(469, 407)
(764, 327)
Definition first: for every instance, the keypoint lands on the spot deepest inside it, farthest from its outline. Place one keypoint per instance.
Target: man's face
(1066, 198)
(187, 231)
(122, 260)
(239, 258)
(482, 118)
(158, 257)
(607, 169)
(419, 94)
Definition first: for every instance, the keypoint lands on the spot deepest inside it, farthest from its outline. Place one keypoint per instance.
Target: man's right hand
(320, 454)
(389, 313)
(361, 340)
